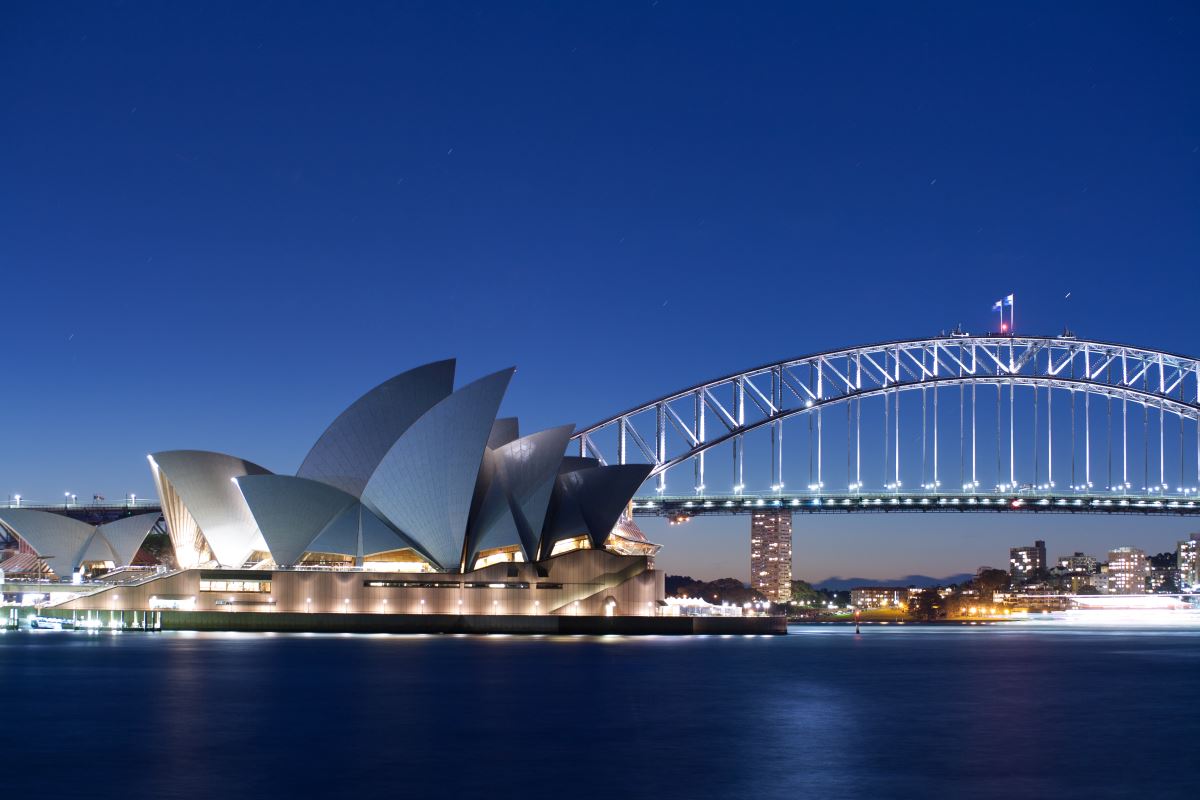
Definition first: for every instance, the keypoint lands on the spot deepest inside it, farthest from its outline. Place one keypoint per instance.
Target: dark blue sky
(220, 223)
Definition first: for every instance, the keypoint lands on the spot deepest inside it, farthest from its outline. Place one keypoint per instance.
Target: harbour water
(1009, 710)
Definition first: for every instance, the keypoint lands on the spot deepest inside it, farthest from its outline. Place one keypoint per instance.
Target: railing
(145, 504)
(686, 506)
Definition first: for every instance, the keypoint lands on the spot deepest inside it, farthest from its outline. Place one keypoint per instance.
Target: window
(256, 587)
(498, 585)
(412, 584)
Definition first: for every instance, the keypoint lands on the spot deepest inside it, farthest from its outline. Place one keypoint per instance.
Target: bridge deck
(692, 505)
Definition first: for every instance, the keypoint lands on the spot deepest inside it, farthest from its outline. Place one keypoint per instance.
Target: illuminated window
(236, 582)
(500, 555)
(567, 545)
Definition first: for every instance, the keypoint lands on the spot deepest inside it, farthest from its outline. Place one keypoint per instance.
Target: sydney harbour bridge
(957, 422)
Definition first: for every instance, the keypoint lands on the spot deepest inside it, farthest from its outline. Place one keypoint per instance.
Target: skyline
(222, 233)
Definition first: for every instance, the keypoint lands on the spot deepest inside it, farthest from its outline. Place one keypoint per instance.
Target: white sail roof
(521, 480)
(350, 449)
(424, 484)
(58, 539)
(290, 512)
(125, 535)
(204, 483)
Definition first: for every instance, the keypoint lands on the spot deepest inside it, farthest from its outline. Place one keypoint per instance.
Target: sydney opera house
(415, 500)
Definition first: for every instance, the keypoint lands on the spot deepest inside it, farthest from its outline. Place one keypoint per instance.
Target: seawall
(553, 625)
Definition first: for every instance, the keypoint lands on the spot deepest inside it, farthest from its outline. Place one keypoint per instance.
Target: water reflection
(897, 711)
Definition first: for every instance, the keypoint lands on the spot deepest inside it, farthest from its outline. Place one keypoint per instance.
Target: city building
(1128, 571)
(416, 499)
(1164, 572)
(1027, 564)
(771, 554)
(1099, 580)
(1077, 564)
(880, 597)
(1188, 564)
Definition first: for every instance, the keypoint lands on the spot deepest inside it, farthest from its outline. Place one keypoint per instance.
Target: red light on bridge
(1004, 327)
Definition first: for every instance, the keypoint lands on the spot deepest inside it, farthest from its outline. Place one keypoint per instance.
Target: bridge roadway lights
(680, 509)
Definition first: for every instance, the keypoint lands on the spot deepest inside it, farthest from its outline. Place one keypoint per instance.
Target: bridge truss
(1005, 422)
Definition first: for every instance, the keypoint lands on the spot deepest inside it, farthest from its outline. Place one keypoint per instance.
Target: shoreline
(512, 624)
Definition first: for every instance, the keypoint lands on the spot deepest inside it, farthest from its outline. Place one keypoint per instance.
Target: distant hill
(838, 584)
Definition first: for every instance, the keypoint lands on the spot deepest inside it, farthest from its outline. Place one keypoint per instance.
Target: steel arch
(1185, 410)
(781, 390)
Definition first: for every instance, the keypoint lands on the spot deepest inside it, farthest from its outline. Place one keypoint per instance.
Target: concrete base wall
(582, 582)
(554, 625)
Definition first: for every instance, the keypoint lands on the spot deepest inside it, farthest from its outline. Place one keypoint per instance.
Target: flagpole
(1012, 314)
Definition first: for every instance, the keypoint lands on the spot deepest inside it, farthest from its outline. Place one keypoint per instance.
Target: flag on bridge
(1000, 305)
